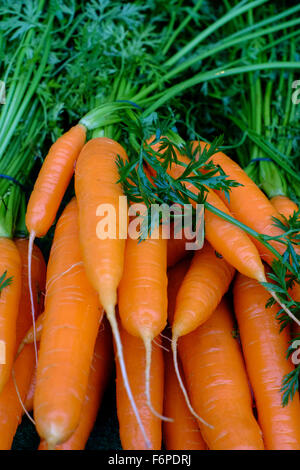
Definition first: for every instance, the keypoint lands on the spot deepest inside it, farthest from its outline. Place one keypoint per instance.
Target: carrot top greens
(5, 281)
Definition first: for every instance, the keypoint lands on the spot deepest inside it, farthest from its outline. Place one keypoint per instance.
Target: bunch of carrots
(199, 342)
(154, 297)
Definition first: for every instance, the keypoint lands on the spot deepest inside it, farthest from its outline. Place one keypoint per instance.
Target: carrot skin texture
(96, 177)
(100, 372)
(71, 322)
(134, 355)
(53, 180)
(142, 295)
(183, 433)
(218, 385)
(11, 410)
(284, 205)
(202, 289)
(265, 355)
(10, 261)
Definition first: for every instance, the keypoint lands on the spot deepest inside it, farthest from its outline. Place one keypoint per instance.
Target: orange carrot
(98, 192)
(284, 205)
(98, 378)
(227, 239)
(259, 215)
(218, 385)
(130, 433)
(202, 289)
(11, 409)
(142, 298)
(142, 295)
(96, 177)
(72, 317)
(183, 433)
(49, 189)
(53, 179)
(10, 263)
(265, 355)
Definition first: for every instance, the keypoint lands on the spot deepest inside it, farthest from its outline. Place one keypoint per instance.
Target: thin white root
(51, 281)
(160, 346)
(110, 313)
(148, 349)
(187, 400)
(287, 311)
(165, 337)
(20, 349)
(30, 248)
(19, 396)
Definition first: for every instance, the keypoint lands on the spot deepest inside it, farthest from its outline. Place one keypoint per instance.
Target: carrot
(142, 295)
(131, 435)
(284, 205)
(202, 289)
(227, 239)
(72, 317)
(49, 189)
(10, 263)
(183, 433)
(265, 355)
(100, 372)
(13, 395)
(96, 184)
(53, 180)
(218, 386)
(259, 213)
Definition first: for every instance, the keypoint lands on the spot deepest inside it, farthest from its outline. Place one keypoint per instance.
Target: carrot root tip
(148, 348)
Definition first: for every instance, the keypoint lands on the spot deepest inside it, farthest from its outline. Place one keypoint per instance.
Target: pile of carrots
(138, 302)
